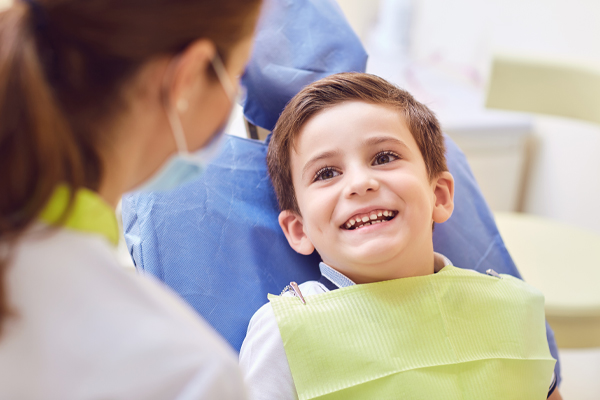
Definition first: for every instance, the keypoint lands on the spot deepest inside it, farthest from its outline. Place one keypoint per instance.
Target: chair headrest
(297, 42)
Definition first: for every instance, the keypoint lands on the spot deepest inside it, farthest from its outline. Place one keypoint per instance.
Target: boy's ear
(293, 229)
(444, 197)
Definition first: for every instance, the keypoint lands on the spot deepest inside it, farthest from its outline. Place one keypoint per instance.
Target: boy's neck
(425, 265)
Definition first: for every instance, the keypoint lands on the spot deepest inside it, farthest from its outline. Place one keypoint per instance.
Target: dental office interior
(537, 170)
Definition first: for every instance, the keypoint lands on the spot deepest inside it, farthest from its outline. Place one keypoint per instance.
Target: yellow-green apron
(456, 334)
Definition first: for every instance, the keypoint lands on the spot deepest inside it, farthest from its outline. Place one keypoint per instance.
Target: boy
(359, 170)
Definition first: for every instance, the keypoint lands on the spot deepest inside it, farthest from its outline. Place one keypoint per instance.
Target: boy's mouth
(367, 219)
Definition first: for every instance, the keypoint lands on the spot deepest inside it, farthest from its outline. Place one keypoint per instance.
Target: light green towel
(456, 334)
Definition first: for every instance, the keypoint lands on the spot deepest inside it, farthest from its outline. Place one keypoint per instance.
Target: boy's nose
(360, 182)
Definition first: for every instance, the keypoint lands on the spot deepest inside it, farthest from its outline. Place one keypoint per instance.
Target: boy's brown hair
(334, 90)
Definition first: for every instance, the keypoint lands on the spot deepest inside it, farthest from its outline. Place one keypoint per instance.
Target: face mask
(184, 167)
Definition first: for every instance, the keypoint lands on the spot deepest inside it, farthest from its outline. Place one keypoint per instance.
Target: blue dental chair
(217, 241)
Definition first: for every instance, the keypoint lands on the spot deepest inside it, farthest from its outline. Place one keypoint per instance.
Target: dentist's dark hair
(63, 67)
(336, 89)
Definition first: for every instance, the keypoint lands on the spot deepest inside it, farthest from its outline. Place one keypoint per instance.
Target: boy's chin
(376, 251)
(370, 263)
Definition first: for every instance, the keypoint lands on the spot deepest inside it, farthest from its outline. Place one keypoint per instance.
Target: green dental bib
(456, 334)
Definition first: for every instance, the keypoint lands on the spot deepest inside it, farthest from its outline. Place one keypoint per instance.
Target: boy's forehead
(341, 126)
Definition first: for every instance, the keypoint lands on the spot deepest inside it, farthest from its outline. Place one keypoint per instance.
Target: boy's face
(355, 163)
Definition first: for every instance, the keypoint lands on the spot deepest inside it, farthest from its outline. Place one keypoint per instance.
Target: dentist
(98, 98)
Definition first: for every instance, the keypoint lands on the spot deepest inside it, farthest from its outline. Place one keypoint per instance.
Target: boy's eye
(385, 157)
(325, 173)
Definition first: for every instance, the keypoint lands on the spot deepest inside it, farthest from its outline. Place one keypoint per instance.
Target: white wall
(467, 32)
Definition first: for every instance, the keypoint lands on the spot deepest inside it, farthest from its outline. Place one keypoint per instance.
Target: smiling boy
(359, 170)
(357, 162)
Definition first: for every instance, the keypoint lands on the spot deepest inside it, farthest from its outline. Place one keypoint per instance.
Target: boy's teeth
(370, 219)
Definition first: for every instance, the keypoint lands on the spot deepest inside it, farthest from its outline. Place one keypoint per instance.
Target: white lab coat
(87, 329)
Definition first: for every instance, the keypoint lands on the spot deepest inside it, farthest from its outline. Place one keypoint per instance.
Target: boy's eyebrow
(318, 157)
(382, 139)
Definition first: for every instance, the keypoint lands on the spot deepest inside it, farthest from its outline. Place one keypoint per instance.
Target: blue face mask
(183, 166)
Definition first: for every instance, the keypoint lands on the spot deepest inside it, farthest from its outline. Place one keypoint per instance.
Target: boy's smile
(369, 218)
(364, 193)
